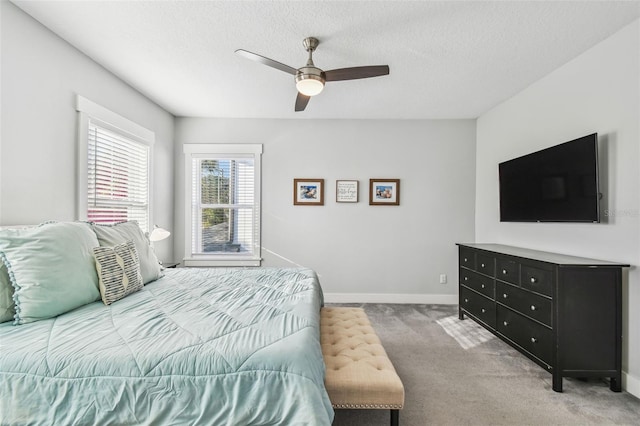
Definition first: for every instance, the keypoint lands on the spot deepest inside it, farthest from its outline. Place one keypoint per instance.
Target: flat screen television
(557, 184)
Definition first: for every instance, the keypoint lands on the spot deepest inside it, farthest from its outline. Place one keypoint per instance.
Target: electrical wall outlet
(443, 278)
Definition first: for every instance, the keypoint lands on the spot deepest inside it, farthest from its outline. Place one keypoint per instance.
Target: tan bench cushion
(358, 372)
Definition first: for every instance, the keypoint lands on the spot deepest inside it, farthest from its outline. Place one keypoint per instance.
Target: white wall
(361, 252)
(596, 92)
(41, 74)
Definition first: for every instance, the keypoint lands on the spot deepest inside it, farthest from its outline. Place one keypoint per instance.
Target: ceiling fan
(309, 78)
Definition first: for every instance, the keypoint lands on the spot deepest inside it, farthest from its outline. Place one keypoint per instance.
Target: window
(222, 204)
(114, 178)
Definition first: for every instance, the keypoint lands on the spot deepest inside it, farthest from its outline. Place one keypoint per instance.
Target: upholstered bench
(358, 372)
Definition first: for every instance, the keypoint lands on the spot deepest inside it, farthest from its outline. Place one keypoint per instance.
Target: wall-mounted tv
(557, 184)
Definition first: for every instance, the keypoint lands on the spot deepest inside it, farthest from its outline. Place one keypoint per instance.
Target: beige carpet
(487, 384)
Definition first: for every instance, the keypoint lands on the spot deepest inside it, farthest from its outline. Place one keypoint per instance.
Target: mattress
(198, 346)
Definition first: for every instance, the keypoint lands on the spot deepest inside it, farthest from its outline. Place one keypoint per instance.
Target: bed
(196, 346)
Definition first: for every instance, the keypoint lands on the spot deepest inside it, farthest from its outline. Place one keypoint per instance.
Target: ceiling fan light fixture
(309, 81)
(309, 86)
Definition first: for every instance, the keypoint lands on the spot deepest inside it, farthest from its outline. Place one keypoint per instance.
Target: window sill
(205, 263)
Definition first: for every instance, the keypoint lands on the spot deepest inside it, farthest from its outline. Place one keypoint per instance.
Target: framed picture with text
(308, 192)
(384, 192)
(346, 191)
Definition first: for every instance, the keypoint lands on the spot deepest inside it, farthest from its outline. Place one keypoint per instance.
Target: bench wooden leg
(395, 417)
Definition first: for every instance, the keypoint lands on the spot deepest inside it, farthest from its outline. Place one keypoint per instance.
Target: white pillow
(112, 235)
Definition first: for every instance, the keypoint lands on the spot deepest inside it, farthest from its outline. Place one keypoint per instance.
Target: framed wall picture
(346, 191)
(384, 192)
(308, 192)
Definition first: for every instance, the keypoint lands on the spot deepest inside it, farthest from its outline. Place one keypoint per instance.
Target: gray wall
(361, 252)
(596, 92)
(41, 74)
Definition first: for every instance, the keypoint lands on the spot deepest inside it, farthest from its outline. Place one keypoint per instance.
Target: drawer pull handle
(466, 278)
(505, 323)
(466, 300)
(482, 265)
(483, 310)
(505, 295)
(504, 272)
(534, 280)
(482, 286)
(534, 340)
(533, 307)
(466, 260)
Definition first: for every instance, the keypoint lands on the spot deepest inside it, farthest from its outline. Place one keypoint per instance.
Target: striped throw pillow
(118, 271)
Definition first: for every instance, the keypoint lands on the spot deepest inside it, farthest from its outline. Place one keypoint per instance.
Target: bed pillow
(112, 235)
(7, 307)
(51, 268)
(118, 271)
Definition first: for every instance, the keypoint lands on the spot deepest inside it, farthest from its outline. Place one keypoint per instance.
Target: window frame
(91, 111)
(193, 151)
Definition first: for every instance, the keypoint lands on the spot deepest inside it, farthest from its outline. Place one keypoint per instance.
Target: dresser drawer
(529, 335)
(528, 304)
(477, 282)
(485, 264)
(479, 306)
(508, 270)
(536, 279)
(467, 258)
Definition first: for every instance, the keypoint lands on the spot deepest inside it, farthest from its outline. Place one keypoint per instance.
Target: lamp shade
(158, 234)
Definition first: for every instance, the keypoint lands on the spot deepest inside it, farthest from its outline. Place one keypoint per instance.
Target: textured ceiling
(448, 59)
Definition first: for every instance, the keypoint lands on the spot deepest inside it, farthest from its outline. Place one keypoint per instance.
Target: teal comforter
(198, 346)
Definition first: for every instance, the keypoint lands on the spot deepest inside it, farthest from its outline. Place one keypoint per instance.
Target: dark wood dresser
(563, 312)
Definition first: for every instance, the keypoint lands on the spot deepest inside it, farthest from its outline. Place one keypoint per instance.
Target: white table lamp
(158, 234)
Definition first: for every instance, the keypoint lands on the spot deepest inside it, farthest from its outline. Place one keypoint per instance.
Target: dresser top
(543, 256)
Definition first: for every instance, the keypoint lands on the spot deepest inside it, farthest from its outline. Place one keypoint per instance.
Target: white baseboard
(631, 384)
(428, 299)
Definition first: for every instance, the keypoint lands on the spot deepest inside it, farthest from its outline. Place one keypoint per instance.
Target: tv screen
(557, 184)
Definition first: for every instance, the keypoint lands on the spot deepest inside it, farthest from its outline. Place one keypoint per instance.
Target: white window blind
(118, 177)
(223, 205)
(114, 167)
